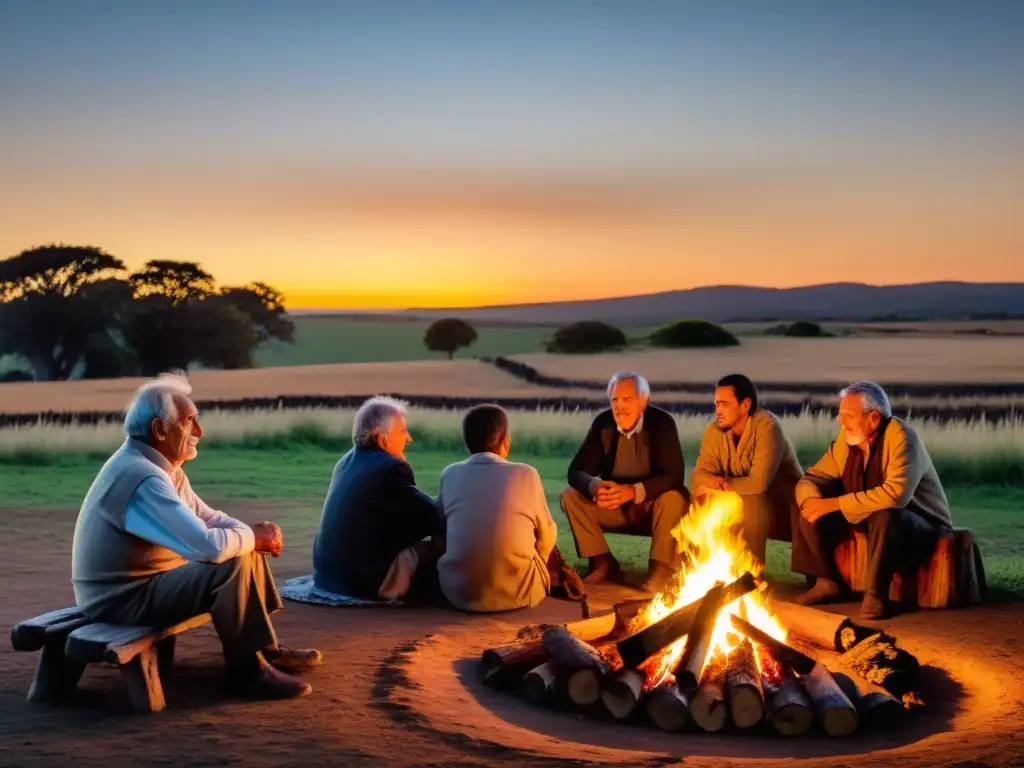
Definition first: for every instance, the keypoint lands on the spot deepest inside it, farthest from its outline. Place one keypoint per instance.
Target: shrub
(585, 337)
(801, 329)
(693, 332)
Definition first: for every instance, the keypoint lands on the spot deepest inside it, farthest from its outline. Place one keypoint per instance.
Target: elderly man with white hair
(148, 551)
(628, 476)
(877, 474)
(371, 539)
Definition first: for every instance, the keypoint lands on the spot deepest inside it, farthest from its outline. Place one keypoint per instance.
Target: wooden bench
(954, 577)
(67, 641)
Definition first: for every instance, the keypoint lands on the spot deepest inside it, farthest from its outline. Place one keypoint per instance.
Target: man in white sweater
(499, 531)
(148, 551)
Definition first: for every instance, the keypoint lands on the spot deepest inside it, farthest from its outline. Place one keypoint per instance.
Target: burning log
(508, 664)
(838, 714)
(641, 646)
(790, 657)
(668, 707)
(876, 709)
(698, 641)
(623, 692)
(743, 685)
(540, 685)
(870, 653)
(789, 709)
(582, 664)
(708, 707)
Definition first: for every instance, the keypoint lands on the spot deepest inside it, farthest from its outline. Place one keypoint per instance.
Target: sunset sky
(430, 153)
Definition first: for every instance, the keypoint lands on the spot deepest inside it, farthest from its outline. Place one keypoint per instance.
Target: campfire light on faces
(714, 551)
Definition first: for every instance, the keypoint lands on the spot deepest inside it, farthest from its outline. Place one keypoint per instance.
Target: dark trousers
(240, 595)
(899, 541)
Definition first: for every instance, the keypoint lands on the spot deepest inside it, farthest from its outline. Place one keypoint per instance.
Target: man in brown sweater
(628, 477)
(745, 451)
(878, 475)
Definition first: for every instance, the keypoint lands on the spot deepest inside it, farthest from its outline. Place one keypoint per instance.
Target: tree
(177, 281)
(449, 334)
(179, 318)
(265, 308)
(53, 300)
(693, 332)
(586, 337)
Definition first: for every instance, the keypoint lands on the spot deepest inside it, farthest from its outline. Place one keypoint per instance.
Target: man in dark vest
(627, 477)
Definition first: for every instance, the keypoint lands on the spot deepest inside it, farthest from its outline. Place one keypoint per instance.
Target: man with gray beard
(148, 551)
(876, 475)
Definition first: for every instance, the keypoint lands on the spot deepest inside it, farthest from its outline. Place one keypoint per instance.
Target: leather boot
(262, 681)
(293, 659)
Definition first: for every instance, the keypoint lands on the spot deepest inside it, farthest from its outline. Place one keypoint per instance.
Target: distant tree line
(67, 309)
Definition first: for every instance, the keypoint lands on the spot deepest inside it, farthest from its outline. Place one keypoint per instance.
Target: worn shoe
(602, 568)
(659, 576)
(293, 659)
(269, 683)
(873, 607)
(823, 591)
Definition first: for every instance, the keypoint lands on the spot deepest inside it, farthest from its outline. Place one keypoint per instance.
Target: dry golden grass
(425, 378)
(839, 360)
(950, 439)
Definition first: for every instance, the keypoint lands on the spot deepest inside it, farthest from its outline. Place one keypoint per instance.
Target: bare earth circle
(974, 707)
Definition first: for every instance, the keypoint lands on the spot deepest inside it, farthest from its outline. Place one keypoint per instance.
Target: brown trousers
(654, 518)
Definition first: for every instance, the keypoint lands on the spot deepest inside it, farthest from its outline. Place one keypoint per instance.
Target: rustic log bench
(954, 577)
(67, 641)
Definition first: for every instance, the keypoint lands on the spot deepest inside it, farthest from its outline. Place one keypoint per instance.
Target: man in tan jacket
(744, 450)
(877, 474)
(499, 531)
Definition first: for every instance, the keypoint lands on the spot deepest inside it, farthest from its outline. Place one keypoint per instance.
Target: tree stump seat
(68, 640)
(954, 576)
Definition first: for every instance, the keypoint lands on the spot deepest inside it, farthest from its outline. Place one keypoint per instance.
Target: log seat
(68, 640)
(954, 576)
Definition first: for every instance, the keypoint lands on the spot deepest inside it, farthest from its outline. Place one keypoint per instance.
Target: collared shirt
(168, 512)
(634, 431)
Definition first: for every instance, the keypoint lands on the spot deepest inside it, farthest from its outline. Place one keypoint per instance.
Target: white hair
(643, 389)
(156, 399)
(872, 397)
(373, 418)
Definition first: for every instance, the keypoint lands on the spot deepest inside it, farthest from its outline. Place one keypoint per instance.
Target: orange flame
(711, 538)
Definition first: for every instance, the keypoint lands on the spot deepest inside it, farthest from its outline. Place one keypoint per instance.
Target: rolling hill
(729, 303)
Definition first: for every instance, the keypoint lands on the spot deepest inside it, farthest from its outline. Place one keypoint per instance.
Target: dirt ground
(400, 688)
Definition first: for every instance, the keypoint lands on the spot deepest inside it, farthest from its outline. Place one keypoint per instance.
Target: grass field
(326, 339)
(299, 475)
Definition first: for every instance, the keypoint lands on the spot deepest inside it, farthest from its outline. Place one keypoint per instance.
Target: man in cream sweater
(744, 450)
(876, 474)
(499, 531)
(147, 550)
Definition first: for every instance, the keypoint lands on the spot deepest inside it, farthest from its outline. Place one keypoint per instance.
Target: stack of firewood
(597, 667)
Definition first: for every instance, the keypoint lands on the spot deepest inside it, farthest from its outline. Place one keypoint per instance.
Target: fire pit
(713, 652)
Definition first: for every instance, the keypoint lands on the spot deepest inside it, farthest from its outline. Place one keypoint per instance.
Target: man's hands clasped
(612, 495)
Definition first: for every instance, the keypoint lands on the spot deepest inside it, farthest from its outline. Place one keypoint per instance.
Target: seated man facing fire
(372, 537)
(499, 531)
(148, 551)
(745, 451)
(628, 476)
(877, 474)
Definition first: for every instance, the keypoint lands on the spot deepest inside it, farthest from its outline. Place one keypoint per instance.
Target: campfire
(712, 651)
